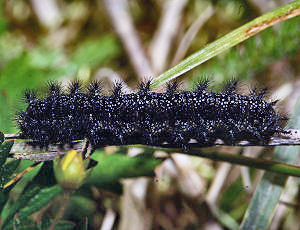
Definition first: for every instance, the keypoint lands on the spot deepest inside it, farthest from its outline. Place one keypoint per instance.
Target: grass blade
(268, 191)
(268, 165)
(229, 40)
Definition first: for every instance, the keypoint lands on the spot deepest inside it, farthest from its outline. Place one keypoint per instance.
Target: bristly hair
(54, 88)
(146, 117)
(202, 85)
(230, 86)
(144, 87)
(172, 87)
(117, 91)
(75, 87)
(29, 96)
(94, 88)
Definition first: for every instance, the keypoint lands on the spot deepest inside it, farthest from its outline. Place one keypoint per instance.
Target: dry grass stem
(108, 220)
(191, 34)
(123, 24)
(167, 29)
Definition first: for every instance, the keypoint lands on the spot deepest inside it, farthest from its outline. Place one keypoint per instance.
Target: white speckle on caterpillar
(146, 117)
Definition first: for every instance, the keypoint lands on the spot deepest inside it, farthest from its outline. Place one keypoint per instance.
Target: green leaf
(45, 176)
(25, 224)
(45, 58)
(6, 172)
(32, 200)
(45, 223)
(15, 78)
(267, 194)
(93, 52)
(61, 225)
(64, 225)
(80, 206)
(2, 137)
(3, 23)
(5, 176)
(111, 168)
(4, 151)
(3, 199)
(39, 200)
(20, 203)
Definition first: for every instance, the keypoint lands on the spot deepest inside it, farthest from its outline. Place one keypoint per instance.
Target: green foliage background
(33, 54)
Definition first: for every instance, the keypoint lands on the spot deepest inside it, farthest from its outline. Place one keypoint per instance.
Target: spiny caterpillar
(146, 117)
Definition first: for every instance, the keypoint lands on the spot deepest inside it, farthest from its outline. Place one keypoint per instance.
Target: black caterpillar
(146, 117)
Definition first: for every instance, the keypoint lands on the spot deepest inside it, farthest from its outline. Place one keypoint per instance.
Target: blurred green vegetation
(83, 41)
(32, 69)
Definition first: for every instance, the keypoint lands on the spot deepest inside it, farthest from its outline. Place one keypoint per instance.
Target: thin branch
(123, 24)
(167, 29)
(47, 12)
(217, 183)
(288, 195)
(61, 210)
(222, 217)
(108, 220)
(112, 77)
(257, 163)
(23, 151)
(20, 175)
(253, 152)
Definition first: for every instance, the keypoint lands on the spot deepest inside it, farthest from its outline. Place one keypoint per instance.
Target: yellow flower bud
(70, 170)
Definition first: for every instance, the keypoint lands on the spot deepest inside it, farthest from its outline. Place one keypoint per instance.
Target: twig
(217, 184)
(61, 210)
(288, 196)
(41, 156)
(234, 159)
(257, 163)
(21, 150)
(47, 13)
(24, 151)
(122, 22)
(109, 219)
(20, 175)
(168, 27)
(191, 34)
(252, 151)
(223, 217)
(113, 77)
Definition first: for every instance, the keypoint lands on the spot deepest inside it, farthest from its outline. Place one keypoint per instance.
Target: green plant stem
(61, 210)
(266, 197)
(264, 164)
(229, 40)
